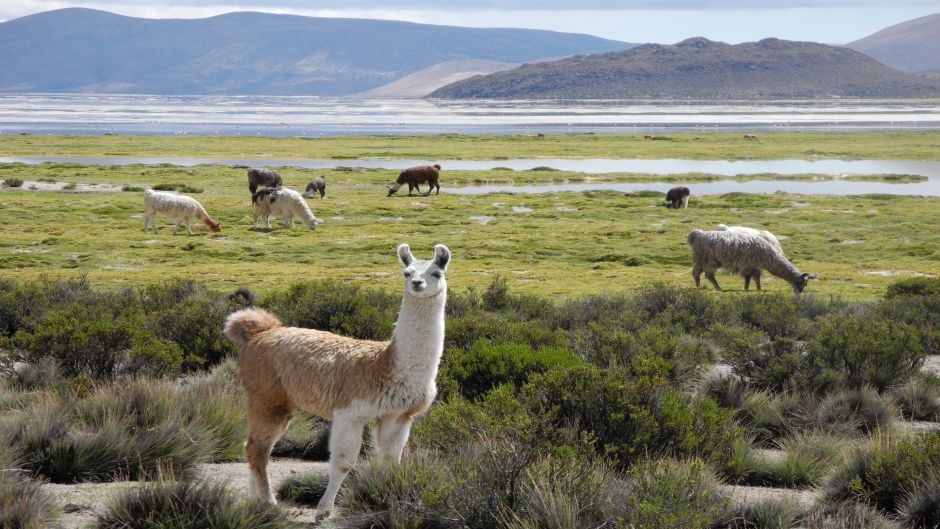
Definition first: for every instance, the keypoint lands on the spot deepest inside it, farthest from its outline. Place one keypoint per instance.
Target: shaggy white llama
(352, 382)
(285, 203)
(741, 253)
(178, 209)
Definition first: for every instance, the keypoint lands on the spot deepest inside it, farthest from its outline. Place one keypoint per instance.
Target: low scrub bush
(856, 410)
(304, 489)
(172, 505)
(631, 417)
(488, 365)
(132, 189)
(886, 471)
(14, 182)
(336, 307)
(307, 437)
(914, 286)
(673, 493)
(921, 505)
(848, 515)
(765, 514)
(24, 505)
(856, 351)
(918, 401)
(804, 460)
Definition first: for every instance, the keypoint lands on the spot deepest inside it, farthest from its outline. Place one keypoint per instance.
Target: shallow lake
(315, 116)
(929, 169)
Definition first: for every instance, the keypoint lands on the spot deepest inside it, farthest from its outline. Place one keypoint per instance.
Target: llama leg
(757, 280)
(176, 227)
(391, 436)
(189, 226)
(266, 424)
(710, 276)
(747, 282)
(345, 442)
(697, 275)
(147, 222)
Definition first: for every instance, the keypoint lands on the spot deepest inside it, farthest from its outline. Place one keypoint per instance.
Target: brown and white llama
(349, 381)
(178, 209)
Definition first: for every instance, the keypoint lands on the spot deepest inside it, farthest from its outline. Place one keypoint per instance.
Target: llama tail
(243, 325)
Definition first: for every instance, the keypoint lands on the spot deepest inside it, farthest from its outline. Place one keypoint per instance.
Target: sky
(660, 21)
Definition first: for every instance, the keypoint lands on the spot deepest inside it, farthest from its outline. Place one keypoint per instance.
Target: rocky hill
(698, 68)
(84, 50)
(912, 46)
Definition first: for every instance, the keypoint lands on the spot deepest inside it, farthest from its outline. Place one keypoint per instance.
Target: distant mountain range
(912, 46)
(84, 50)
(698, 68)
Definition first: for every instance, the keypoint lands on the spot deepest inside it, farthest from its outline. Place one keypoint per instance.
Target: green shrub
(691, 310)
(914, 286)
(776, 315)
(856, 410)
(856, 351)
(24, 505)
(188, 189)
(336, 307)
(917, 401)
(191, 316)
(99, 344)
(726, 389)
(486, 365)
(14, 182)
(132, 189)
(806, 460)
(179, 505)
(463, 332)
(671, 493)
(919, 311)
(631, 417)
(886, 471)
(574, 313)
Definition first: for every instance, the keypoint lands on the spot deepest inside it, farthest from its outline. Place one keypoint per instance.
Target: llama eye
(438, 275)
(407, 274)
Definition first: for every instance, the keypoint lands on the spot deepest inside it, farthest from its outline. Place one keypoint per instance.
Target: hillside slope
(698, 68)
(84, 50)
(912, 46)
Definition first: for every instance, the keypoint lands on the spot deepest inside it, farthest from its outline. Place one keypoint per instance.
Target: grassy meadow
(568, 244)
(693, 146)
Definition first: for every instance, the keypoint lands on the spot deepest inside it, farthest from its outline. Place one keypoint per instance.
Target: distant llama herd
(273, 199)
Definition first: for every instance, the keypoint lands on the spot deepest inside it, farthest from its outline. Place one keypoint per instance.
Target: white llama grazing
(285, 203)
(178, 209)
(351, 382)
(742, 253)
(771, 238)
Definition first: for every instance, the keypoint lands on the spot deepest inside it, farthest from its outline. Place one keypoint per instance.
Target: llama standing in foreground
(178, 209)
(285, 203)
(740, 253)
(351, 382)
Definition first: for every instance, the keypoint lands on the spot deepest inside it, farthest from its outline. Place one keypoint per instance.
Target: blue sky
(663, 21)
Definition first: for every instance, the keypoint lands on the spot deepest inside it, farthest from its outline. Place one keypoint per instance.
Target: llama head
(392, 188)
(800, 283)
(215, 226)
(424, 279)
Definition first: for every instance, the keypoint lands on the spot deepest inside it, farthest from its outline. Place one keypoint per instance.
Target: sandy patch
(82, 502)
(739, 495)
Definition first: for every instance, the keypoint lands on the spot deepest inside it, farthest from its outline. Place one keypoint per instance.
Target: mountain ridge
(912, 45)
(698, 68)
(249, 53)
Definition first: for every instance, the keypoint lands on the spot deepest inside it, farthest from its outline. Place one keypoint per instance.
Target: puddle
(800, 204)
(521, 209)
(850, 241)
(116, 267)
(565, 208)
(35, 185)
(152, 241)
(338, 217)
(136, 216)
(483, 219)
(222, 239)
(498, 204)
(390, 219)
(28, 250)
(721, 187)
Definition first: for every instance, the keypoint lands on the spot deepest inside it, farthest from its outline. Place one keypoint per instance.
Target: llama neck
(418, 338)
(784, 269)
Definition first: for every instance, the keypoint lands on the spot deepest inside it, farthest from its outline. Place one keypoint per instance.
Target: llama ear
(405, 255)
(441, 256)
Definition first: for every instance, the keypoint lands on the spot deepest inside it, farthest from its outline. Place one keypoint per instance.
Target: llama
(678, 197)
(317, 185)
(263, 177)
(751, 137)
(177, 208)
(285, 203)
(418, 175)
(740, 253)
(351, 382)
(771, 238)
